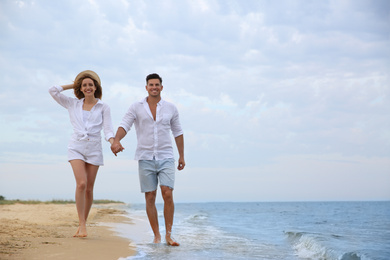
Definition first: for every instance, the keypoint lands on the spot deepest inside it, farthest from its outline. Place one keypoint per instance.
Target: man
(154, 120)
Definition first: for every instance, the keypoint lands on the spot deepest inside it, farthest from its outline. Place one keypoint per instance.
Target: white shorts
(87, 151)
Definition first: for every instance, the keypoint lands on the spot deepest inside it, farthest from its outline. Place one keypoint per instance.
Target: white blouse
(99, 118)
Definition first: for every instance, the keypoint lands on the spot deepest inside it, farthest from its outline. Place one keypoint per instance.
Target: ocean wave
(351, 256)
(196, 218)
(312, 246)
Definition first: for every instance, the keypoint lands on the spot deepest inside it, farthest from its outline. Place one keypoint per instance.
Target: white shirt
(100, 117)
(153, 137)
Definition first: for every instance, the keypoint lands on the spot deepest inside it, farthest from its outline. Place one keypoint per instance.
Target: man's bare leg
(169, 209)
(151, 211)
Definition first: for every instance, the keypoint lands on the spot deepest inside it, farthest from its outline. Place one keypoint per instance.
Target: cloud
(254, 81)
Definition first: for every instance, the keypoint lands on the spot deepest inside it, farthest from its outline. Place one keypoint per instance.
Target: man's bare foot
(170, 241)
(157, 240)
(81, 232)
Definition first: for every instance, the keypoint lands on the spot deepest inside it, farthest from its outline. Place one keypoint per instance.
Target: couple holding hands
(154, 120)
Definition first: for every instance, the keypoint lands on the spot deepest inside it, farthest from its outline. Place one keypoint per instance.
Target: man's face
(154, 87)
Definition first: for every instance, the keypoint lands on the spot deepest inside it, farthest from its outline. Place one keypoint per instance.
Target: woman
(88, 115)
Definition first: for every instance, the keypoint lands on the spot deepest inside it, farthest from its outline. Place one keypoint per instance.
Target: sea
(266, 230)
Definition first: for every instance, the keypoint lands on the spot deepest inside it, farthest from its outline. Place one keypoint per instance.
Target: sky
(278, 100)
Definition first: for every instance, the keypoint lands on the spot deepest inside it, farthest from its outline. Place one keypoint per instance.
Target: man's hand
(117, 147)
(181, 164)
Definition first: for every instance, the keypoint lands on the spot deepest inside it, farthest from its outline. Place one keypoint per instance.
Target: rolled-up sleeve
(175, 124)
(107, 123)
(61, 99)
(128, 119)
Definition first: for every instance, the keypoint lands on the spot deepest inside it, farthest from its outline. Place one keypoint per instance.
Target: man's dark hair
(153, 76)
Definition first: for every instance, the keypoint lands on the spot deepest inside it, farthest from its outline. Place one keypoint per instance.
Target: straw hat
(88, 73)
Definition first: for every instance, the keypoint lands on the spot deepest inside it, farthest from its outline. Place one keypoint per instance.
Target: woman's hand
(111, 140)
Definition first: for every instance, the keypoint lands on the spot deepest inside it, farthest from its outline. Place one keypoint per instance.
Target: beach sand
(45, 231)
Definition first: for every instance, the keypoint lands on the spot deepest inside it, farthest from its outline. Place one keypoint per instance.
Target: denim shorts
(152, 171)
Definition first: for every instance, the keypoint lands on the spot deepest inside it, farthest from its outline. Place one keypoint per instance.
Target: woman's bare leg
(80, 175)
(92, 171)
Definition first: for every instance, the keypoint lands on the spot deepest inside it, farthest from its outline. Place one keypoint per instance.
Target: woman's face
(88, 87)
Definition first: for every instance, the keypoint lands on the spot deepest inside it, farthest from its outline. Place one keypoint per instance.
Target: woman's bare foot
(77, 232)
(81, 232)
(170, 241)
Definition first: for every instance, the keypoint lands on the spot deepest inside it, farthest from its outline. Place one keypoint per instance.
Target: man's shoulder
(138, 102)
(167, 104)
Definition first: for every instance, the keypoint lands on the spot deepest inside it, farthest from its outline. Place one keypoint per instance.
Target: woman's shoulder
(104, 105)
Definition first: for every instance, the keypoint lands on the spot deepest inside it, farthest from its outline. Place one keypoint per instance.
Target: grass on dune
(3, 201)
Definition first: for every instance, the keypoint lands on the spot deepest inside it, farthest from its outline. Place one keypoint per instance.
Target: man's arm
(116, 146)
(180, 148)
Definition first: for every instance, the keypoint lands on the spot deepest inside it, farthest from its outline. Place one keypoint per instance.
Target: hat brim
(88, 73)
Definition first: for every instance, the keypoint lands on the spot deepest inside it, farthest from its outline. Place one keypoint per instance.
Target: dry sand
(45, 231)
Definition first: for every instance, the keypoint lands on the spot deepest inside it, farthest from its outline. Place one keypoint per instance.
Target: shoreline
(45, 231)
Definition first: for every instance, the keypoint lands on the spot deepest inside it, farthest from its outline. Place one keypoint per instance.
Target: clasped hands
(116, 147)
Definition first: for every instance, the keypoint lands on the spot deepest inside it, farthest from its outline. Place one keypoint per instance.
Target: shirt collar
(98, 101)
(158, 104)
